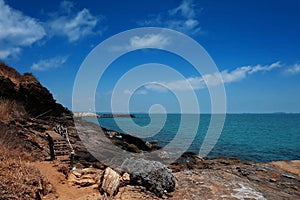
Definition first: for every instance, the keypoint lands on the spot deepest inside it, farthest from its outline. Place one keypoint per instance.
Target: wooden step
(57, 153)
(58, 150)
(61, 146)
(60, 141)
(61, 149)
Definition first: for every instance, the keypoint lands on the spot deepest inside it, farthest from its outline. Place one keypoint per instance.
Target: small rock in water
(153, 175)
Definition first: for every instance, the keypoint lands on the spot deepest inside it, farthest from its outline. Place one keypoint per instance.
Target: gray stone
(153, 175)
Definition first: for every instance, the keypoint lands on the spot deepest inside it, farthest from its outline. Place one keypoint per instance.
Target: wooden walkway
(61, 147)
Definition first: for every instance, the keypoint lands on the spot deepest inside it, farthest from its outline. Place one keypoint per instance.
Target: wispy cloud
(210, 80)
(140, 91)
(182, 18)
(186, 9)
(67, 6)
(146, 41)
(47, 64)
(295, 69)
(17, 31)
(73, 25)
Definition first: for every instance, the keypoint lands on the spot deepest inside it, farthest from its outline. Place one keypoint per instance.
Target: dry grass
(10, 109)
(18, 178)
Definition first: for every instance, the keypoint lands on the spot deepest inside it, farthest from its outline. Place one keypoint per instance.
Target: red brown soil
(64, 190)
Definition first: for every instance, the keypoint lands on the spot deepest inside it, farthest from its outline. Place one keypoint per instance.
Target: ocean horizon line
(205, 113)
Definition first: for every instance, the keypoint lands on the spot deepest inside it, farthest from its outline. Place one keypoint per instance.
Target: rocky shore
(190, 177)
(97, 172)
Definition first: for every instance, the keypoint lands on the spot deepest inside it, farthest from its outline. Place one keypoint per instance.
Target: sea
(249, 137)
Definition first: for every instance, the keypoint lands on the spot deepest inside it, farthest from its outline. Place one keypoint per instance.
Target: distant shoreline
(229, 113)
(105, 115)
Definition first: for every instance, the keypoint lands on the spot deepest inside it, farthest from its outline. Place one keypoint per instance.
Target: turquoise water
(256, 137)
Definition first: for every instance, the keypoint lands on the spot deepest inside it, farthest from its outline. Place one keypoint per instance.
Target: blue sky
(255, 45)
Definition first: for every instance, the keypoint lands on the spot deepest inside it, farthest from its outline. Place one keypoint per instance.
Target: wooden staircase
(62, 150)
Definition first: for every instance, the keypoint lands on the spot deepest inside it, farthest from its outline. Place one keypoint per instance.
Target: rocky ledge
(219, 178)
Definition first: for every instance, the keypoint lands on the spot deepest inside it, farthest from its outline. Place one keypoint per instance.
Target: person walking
(51, 146)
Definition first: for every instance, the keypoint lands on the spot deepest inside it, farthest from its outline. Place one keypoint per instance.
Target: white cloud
(140, 91)
(67, 6)
(146, 41)
(73, 26)
(186, 9)
(295, 69)
(264, 68)
(17, 31)
(47, 64)
(6, 51)
(149, 40)
(182, 18)
(210, 80)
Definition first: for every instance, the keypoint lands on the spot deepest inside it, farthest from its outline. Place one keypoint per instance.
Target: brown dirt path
(64, 190)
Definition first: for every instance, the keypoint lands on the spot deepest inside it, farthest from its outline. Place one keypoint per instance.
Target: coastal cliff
(28, 111)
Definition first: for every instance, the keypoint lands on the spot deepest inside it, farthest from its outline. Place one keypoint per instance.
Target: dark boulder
(7, 88)
(153, 175)
(139, 143)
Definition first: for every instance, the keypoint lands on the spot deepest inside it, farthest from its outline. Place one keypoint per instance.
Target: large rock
(153, 175)
(111, 182)
(85, 177)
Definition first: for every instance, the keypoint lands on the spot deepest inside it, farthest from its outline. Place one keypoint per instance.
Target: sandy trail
(64, 190)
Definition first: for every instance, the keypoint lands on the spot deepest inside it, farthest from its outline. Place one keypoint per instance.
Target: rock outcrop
(27, 91)
(85, 177)
(153, 175)
(111, 182)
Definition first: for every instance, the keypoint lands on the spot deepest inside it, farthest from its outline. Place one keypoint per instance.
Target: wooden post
(72, 159)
